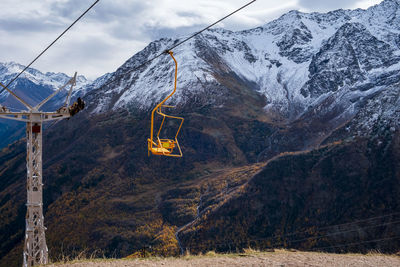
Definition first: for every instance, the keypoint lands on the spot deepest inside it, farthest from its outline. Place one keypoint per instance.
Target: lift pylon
(35, 248)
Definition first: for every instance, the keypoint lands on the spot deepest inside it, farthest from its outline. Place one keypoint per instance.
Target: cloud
(26, 25)
(364, 4)
(328, 5)
(94, 53)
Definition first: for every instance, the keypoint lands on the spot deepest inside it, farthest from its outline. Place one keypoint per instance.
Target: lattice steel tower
(35, 248)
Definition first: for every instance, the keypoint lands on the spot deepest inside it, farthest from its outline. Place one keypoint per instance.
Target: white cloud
(328, 5)
(364, 4)
(116, 29)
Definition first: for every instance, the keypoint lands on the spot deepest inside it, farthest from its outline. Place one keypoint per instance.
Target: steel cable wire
(313, 237)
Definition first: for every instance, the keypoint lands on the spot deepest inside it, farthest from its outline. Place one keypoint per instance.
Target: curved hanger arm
(162, 102)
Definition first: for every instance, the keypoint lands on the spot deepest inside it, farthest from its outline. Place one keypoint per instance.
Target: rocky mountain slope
(318, 203)
(322, 84)
(315, 71)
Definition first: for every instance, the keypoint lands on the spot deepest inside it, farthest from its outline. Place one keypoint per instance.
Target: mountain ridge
(297, 40)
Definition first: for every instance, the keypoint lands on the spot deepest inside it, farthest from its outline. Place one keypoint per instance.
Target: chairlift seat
(156, 145)
(160, 151)
(164, 146)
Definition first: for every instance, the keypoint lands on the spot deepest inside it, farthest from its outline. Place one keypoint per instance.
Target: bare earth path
(278, 258)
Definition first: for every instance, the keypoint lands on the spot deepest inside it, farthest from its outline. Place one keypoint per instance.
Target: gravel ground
(279, 258)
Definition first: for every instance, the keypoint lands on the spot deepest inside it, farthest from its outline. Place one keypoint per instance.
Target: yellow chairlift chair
(156, 145)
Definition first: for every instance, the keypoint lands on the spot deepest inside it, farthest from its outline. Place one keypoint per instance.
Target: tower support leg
(35, 248)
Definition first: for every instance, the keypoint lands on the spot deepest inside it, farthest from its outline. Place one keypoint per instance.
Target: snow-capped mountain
(317, 66)
(33, 85)
(9, 70)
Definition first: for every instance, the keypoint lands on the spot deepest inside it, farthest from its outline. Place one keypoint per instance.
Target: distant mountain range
(290, 126)
(33, 86)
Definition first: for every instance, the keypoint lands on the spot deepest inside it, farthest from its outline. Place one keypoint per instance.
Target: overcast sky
(114, 30)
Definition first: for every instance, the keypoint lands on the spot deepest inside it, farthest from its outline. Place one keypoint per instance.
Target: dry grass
(249, 258)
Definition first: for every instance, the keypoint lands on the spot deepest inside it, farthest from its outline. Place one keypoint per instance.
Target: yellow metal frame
(164, 147)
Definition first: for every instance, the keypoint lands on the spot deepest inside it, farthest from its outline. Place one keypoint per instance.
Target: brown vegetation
(252, 258)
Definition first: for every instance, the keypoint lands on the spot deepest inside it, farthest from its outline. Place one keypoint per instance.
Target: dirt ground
(278, 258)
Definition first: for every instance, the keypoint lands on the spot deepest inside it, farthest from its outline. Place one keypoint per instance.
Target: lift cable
(70, 26)
(317, 230)
(276, 244)
(206, 28)
(178, 44)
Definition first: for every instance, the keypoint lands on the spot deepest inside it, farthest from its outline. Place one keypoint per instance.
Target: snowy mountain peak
(389, 3)
(34, 86)
(297, 62)
(9, 70)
